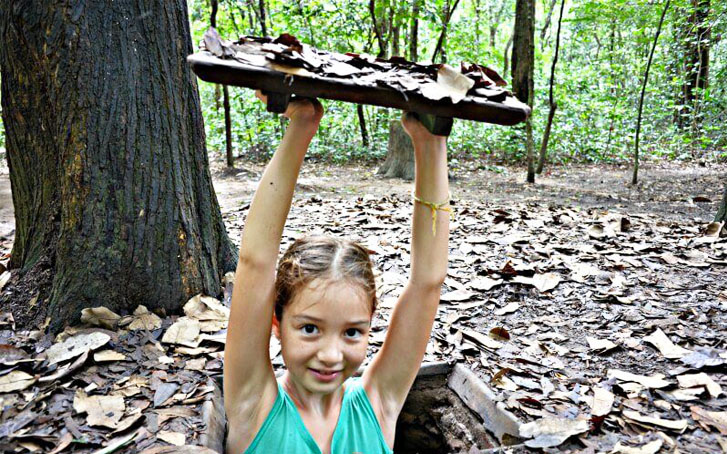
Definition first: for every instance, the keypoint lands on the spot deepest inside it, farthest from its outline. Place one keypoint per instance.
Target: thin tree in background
(230, 159)
(523, 62)
(635, 178)
(414, 31)
(551, 101)
(448, 12)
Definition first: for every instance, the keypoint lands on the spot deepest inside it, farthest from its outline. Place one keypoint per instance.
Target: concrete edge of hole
(483, 401)
(474, 393)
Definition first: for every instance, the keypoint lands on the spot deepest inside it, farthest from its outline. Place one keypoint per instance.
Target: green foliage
(604, 47)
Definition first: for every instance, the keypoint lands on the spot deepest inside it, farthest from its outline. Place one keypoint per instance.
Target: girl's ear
(276, 327)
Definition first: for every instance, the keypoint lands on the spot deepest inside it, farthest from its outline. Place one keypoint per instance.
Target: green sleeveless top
(357, 431)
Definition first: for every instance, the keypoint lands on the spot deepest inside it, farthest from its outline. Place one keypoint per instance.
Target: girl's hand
(417, 131)
(303, 112)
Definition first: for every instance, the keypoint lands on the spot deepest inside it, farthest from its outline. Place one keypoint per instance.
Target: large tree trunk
(114, 204)
(399, 161)
(523, 63)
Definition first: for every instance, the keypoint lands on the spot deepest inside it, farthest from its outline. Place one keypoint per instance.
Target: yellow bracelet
(434, 207)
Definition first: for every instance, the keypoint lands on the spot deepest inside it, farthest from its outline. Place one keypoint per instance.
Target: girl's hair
(325, 258)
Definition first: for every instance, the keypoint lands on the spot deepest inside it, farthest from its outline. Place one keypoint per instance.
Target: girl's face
(324, 334)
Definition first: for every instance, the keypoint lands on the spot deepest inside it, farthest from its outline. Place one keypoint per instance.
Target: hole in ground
(435, 420)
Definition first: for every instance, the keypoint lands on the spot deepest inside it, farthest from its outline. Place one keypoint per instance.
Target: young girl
(320, 304)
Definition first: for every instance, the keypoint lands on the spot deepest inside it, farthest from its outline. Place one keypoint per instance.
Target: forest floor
(595, 310)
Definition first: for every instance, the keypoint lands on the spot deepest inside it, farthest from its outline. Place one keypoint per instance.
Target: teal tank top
(357, 432)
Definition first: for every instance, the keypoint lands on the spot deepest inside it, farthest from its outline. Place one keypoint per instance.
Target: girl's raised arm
(393, 370)
(247, 369)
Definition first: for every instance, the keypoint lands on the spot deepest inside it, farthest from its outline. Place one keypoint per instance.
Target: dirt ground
(555, 291)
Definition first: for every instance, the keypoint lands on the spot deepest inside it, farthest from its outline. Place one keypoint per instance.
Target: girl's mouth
(325, 375)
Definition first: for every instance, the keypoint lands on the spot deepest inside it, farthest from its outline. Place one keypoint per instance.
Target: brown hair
(322, 257)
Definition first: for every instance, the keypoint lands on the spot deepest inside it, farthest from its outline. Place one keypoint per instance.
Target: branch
(444, 30)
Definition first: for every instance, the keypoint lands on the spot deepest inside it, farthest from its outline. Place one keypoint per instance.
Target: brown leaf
(76, 345)
(103, 411)
(716, 419)
(667, 348)
(551, 431)
(499, 333)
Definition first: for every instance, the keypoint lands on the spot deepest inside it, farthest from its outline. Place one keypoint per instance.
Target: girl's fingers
(259, 95)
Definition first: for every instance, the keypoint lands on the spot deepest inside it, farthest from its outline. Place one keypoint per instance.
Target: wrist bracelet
(434, 207)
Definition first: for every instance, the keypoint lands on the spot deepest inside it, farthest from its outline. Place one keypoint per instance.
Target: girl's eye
(310, 329)
(353, 333)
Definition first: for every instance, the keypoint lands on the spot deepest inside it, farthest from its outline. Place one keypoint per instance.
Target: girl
(320, 304)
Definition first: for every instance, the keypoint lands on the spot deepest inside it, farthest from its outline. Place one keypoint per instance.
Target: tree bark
(362, 125)
(523, 49)
(414, 38)
(228, 128)
(551, 100)
(399, 161)
(263, 20)
(635, 176)
(523, 63)
(114, 204)
(722, 211)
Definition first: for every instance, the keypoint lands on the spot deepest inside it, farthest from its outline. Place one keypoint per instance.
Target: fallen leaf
(603, 345)
(667, 348)
(481, 339)
(100, 316)
(103, 411)
(704, 357)
(499, 333)
(185, 331)
(450, 83)
(206, 308)
(76, 345)
(510, 308)
(173, 438)
(716, 419)
(108, 355)
(141, 319)
(16, 380)
(543, 282)
(485, 283)
(457, 295)
(678, 425)
(701, 379)
(601, 402)
(651, 447)
(654, 382)
(551, 431)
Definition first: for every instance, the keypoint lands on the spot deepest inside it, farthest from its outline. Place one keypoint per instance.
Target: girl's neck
(311, 403)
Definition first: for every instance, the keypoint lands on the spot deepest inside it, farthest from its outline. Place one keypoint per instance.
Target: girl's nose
(330, 354)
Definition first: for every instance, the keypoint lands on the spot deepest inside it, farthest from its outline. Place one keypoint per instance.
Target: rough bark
(722, 211)
(523, 49)
(399, 161)
(114, 203)
(523, 63)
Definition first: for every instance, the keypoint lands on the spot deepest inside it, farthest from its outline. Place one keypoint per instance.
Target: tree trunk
(695, 37)
(362, 125)
(414, 38)
(635, 176)
(228, 129)
(441, 46)
(551, 100)
(399, 161)
(114, 204)
(722, 212)
(263, 25)
(523, 49)
(523, 63)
